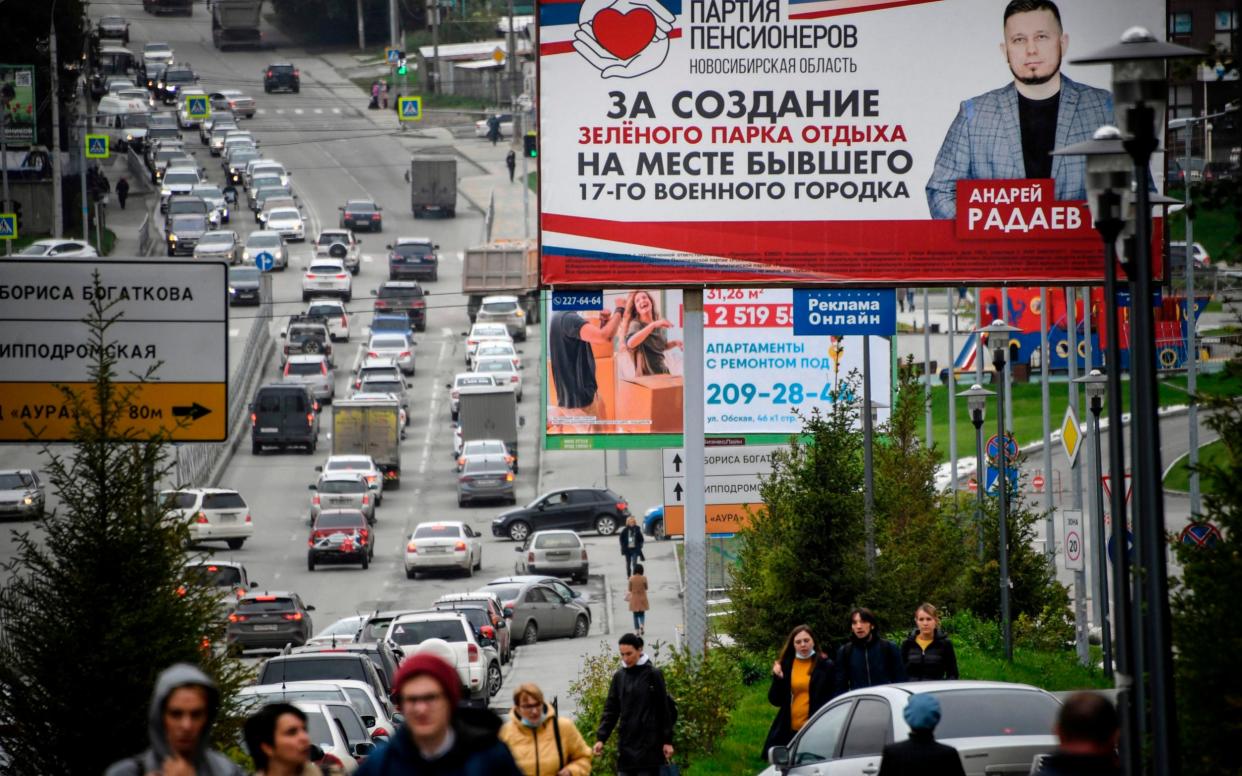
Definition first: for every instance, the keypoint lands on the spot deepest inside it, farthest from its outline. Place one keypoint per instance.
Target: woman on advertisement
(645, 335)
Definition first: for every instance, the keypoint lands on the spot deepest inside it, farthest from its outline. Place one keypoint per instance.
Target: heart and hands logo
(623, 38)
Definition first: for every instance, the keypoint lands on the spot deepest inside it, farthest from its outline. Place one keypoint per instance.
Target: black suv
(284, 414)
(172, 79)
(574, 509)
(403, 296)
(306, 336)
(282, 75)
(413, 257)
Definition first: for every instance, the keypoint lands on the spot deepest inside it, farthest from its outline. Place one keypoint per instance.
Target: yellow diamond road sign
(1071, 436)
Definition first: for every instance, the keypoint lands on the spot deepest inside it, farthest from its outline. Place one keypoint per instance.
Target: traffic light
(531, 145)
(402, 69)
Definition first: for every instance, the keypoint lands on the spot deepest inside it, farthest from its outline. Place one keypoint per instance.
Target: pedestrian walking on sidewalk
(920, 753)
(631, 537)
(927, 653)
(867, 660)
(384, 93)
(375, 95)
(636, 594)
(910, 298)
(511, 163)
(122, 192)
(801, 683)
(639, 709)
(542, 742)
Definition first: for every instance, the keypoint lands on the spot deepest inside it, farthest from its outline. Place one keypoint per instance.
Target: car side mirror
(315, 754)
(254, 585)
(364, 748)
(522, 421)
(311, 487)
(342, 209)
(282, 335)
(398, 718)
(310, 608)
(508, 611)
(319, 468)
(779, 756)
(368, 720)
(518, 548)
(539, 506)
(374, 292)
(448, 385)
(389, 246)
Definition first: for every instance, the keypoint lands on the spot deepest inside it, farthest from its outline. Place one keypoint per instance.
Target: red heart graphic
(624, 35)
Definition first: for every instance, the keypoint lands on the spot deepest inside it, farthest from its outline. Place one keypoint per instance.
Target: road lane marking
(234, 332)
(432, 412)
(336, 110)
(298, 111)
(319, 110)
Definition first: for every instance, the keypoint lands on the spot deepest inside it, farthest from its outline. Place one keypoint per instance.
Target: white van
(124, 121)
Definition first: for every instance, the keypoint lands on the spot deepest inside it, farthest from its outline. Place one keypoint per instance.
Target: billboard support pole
(58, 198)
(1008, 375)
(4, 155)
(1080, 577)
(868, 467)
(951, 359)
(695, 517)
(927, 378)
(1099, 585)
(1050, 537)
(979, 351)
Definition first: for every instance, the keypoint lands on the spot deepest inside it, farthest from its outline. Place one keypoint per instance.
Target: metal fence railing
(200, 465)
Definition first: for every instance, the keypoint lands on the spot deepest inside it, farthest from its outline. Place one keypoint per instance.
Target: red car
(340, 536)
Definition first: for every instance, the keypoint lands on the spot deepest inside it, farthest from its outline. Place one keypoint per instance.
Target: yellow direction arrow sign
(1071, 436)
(185, 412)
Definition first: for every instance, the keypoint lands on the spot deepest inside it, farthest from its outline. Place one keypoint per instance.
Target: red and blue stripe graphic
(818, 9)
(558, 20)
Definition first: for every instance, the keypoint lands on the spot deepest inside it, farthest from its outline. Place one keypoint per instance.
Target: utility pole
(433, 71)
(58, 200)
(362, 33)
(511, 60)
(79, 125)
(5, 97)
(1080, 577)
(394, 28)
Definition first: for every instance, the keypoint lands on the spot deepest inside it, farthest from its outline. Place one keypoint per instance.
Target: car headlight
(28, 500)
(246, 255)
(172, 238)
(160, 85)
(232, 290)
(128, 137)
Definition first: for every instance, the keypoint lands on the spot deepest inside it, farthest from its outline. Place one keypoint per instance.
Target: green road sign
(8, 226)
(97, 147)
(410, 108)
(197, 106)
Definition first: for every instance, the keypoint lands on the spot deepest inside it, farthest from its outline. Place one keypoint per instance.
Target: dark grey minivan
(284, 416)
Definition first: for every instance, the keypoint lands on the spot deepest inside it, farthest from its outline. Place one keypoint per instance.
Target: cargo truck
(235, 23)
(489, 412)
(184, 7)
(371, 427)
(502, 267)
(433, 185)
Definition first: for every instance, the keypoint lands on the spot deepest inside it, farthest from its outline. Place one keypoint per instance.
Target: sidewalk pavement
(125, 223)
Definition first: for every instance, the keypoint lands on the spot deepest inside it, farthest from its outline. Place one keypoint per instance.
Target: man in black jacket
(631, 537)
(867, 660)
(1088, 730)
(638, 708)
(920, 754)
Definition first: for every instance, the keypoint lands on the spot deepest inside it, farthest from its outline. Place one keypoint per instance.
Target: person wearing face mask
(867, 660)
(542, 742)
(927, 653)
(801, 683)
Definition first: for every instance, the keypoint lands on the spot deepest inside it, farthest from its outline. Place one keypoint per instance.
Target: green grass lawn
(738, 753)
(1027, 417)
(1214, 228)
(1179, 476)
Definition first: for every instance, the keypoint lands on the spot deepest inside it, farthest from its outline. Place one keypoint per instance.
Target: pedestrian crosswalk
(295, 111)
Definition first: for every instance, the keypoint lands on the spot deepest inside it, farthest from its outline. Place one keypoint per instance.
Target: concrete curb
(607, 606)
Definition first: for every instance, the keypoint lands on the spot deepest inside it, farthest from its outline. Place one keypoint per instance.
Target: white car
(484, 331)
(177, 180)
(219, 133)
(325, 277)
(183, 113)
(215, 514)
(328, 733)
(450, 636)
(498, 349)
(506, 125)
(503, 368)
(214, 197)
(233, 100)
(340, 244)
(369, 368)
(288, 222)
(393, 345)
(342, 631)
(364, 465)
(56, 248)
(463, 379)
(333, 313)
(448, 544)
(376, 714)
(157, 52)
(263, 241)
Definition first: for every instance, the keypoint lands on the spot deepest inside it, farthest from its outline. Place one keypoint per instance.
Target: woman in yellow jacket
(531, 733)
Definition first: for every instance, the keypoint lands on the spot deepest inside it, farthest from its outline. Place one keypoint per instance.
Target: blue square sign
(410, 108)
(197, 106)
(842, 312)
(8, 226)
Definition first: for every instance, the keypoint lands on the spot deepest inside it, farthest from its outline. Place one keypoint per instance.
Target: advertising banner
(803, 142)
(617, 371)
(20, 113)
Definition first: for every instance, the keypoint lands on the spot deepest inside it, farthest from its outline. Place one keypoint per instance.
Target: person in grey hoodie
(183, 708)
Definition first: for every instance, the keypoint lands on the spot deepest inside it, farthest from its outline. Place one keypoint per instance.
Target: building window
(1226, 21)
(1180, 23)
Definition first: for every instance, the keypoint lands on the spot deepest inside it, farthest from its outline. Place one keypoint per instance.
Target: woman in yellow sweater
(542, 742)
(802, 684)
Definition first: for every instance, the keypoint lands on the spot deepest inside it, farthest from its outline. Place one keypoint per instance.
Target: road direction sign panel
(174, 314)
(265, 261)
(1071, 435)
(1072, 539)
(410, 108)
(8, 226)
(732, 476)
(197, 106)
(97, 147)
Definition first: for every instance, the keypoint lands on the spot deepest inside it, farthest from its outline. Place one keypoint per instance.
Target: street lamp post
(977, 403)
(999, 334)
(1096, 384)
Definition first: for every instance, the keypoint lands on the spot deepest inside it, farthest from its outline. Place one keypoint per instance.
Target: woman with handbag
(541, 742)
(801, 683)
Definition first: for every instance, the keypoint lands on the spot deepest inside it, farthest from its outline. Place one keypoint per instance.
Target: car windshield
(324, 311)
(244, 273)
(318, 730)
(178, 76)
(180, 500)
(412, 249)
(134, 120)
(326, 238)
(281, 68)
(416, 632)
(207, 192)
(15, 481)
(504, 592)
(495, 365)
(388, 343)
(381, 386)
(289, 694)
(499, 307)
(495, 349)
(437, 532)
(400, 292)
(188, 222)
(490, 330)
(304, 368)
(342, 486)
(989, 713)
(342, 520)
(310, 668)
(223, 501)
(265, 603)
(263, 240)
(321, 269)
(217, 238)
(265, 182)
(286, 214)
(360, 207)
(563, 541)
(391, 322)
(217, 576)
(349, 465)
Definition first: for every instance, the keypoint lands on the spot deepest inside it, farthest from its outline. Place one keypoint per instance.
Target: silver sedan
(342, 490)
(392, 345)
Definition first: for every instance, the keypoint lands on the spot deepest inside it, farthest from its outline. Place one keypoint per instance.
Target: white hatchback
(333, 313)
(287, 221)
(215, 514)
(501, 367)
(484, 331)
(326, 277)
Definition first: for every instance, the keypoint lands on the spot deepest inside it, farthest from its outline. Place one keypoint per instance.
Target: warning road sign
(410, 108)
(97, 147)
(197, 106)
(8, 226)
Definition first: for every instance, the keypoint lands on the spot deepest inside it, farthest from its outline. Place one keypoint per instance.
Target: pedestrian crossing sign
(392, 55)
(410, 108)
(197, 106)
(96, 146)
(8, 226)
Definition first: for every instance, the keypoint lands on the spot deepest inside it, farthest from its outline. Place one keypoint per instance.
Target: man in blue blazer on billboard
(1008, 132)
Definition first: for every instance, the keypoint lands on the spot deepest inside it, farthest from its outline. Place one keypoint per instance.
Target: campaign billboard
(20, 113)
(803, 142)
(615, 373)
